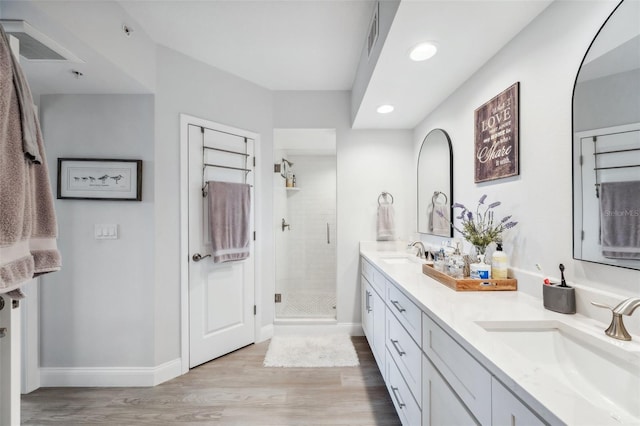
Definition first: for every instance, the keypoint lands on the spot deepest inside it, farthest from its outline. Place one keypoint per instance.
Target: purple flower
(469, 216)
(506, 218)
(494, 204)
(510, 225)
(458, 206)
(484, 197)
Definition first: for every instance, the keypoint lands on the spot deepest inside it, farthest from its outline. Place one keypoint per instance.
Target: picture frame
(497, 136)
(99, 179)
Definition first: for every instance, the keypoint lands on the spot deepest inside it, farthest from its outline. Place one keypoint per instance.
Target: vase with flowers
(481, 228)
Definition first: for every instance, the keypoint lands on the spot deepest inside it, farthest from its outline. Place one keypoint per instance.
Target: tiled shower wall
(311, 260)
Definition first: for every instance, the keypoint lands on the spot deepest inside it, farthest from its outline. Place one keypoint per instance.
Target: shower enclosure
(305, 215)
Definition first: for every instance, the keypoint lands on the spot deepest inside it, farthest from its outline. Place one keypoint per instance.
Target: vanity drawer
(367, 269)
(407, 409)
(407, 313)
(467, 377)
(406, 354)
(374, 276)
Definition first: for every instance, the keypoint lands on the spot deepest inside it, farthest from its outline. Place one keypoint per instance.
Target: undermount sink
(605, 373)
(400, 259)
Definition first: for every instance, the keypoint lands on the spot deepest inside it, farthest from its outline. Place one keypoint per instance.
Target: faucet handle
(601, 305)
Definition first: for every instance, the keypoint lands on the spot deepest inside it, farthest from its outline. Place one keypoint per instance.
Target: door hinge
(202, 130)
(255, 310)
(254, 161)
(254, 235)
(582, 235)
(278, 298)
(581, 160)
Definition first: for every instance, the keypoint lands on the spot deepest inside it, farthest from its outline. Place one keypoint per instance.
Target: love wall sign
(496, 136)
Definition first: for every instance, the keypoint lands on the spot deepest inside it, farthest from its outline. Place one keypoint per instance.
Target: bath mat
(334, 350)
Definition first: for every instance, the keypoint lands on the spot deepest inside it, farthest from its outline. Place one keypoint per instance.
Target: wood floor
(233, 390)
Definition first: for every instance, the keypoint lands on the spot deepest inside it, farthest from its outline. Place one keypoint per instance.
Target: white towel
(386, 222)
(620, 219)
(440, 220)
(229, 220)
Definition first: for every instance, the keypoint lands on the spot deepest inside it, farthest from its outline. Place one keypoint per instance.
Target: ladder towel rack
(205, 164)
(614, 151)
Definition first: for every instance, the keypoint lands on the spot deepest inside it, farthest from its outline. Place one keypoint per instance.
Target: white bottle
(499, 264)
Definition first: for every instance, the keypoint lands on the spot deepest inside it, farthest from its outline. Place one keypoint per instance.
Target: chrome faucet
(616, 329)
(421, 250)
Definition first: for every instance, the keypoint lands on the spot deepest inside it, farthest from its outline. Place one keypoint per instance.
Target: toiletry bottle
(294, 181)
(499, 264)
(456, 263)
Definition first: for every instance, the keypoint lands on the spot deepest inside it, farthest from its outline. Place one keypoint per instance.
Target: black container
(559, 299)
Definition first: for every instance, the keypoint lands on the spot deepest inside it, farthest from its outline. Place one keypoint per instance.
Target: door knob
(198, 257)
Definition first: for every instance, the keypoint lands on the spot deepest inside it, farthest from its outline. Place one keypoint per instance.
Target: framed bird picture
(99, 179)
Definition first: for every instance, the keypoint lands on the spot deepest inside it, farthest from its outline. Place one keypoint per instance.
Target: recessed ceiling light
(423, 51)
(385, 109)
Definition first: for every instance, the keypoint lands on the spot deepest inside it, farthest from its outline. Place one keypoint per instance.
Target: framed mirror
(606, 144)
(435, 184)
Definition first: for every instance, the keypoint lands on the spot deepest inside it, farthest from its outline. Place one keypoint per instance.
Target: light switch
(106, 231)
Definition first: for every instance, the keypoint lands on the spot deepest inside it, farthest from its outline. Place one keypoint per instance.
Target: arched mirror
(435, 184)
(606, 144)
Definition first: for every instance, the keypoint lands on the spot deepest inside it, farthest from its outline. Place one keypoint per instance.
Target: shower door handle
(328, 240)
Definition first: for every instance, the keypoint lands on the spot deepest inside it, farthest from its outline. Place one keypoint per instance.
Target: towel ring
(384, 197)
(436, 194)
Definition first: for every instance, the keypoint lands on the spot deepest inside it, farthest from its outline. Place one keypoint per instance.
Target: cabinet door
(379, 312)
(440, 404)
(507, 410)
(367, 309)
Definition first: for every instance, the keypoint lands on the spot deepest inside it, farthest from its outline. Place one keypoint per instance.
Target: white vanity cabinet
(440, 404)
(373, 315)
(431, 378)
(507, 410)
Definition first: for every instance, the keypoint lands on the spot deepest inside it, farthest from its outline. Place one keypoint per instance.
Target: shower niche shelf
(294, 189)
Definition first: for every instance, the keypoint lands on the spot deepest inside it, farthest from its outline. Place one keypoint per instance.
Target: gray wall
(98, 310)
(191, 87)
(368, 162)
(544, 58)
(607, 101)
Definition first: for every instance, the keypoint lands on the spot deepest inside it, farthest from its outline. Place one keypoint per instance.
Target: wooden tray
(468, 284)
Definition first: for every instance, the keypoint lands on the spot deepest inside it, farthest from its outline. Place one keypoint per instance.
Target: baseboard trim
(352, 329)
(266, 333)
(110, 376)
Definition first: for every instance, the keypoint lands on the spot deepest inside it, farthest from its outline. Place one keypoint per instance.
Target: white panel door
(221, 296)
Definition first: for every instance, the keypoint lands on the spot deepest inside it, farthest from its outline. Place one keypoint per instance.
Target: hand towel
(620, 219)
(440, 220)
(28, 227)
(229, 220)
(386, 222)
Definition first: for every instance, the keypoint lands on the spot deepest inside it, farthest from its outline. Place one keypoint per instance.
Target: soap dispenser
(499, 263)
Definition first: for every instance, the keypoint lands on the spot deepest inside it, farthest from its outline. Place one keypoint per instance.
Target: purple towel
(620, 219)
(229, 220)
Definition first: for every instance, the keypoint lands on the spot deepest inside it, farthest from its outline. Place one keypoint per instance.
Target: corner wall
(191, 87)
(544, 58)
(368, 162)
(105, 286)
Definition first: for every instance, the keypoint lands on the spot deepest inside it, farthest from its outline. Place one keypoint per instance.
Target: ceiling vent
(373, 31)
(34, 45)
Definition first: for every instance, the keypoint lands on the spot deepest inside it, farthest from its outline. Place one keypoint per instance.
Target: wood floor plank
(232, 390)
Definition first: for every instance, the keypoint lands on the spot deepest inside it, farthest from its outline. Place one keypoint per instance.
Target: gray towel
(25, 104)
(229, 220)
(620, 219)
(28, 227)
(386, 222)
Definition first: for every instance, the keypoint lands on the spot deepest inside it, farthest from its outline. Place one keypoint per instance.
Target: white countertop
(457, 313)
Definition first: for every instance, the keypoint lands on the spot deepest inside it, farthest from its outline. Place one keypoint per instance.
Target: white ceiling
(280, 45)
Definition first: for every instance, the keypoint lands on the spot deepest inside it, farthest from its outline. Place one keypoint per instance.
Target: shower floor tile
(307, 304)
